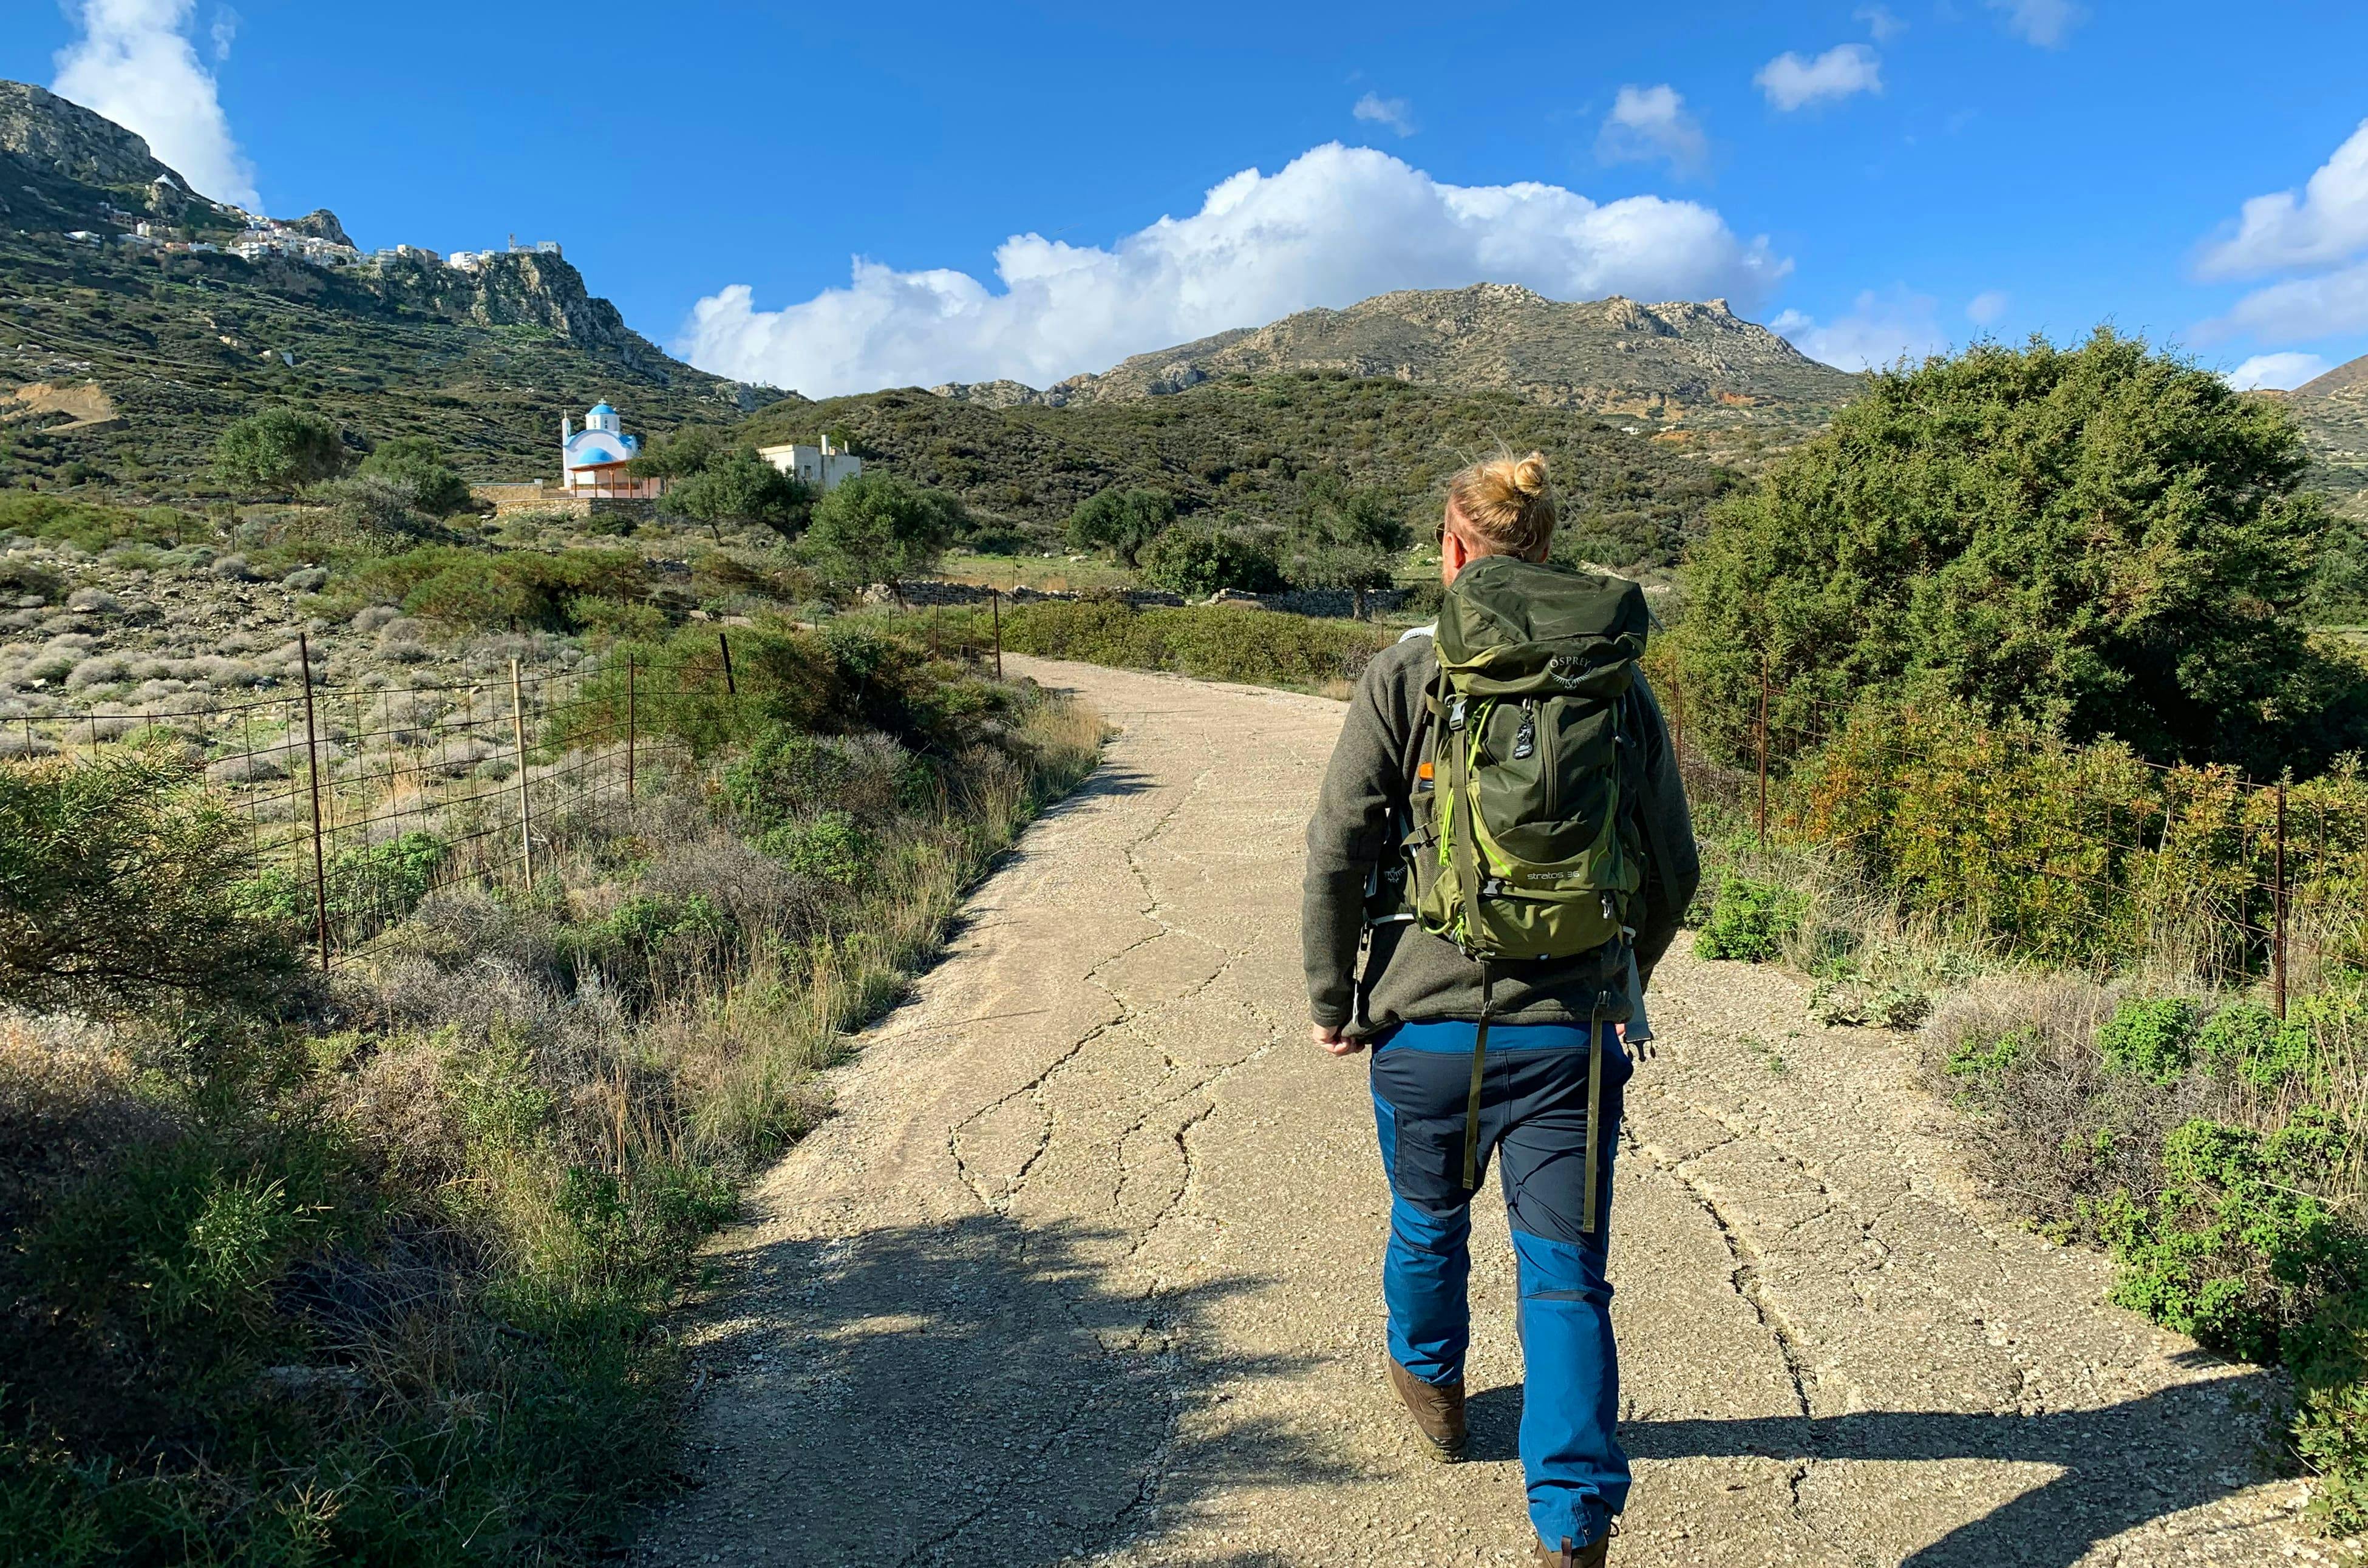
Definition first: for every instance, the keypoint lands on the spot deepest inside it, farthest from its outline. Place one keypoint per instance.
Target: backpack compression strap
(1479, 1069)
(1586, 1215)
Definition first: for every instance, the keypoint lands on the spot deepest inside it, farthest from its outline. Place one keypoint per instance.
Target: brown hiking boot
(1437, 1409)
(1569, 1556)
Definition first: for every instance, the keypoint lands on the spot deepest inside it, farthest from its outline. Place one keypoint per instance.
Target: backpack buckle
(1455, 714)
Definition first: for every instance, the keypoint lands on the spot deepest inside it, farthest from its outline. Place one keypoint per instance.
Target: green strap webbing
(1586, 1216)
(1479, 1067)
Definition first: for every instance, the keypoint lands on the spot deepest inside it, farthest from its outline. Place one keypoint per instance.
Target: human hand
(1335, 1039)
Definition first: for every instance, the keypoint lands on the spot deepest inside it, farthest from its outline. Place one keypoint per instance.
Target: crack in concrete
(1129, 1017)
(1034, 1087)
(1743, 1271)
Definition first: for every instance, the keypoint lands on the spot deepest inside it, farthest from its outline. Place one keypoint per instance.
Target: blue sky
(1872, 178)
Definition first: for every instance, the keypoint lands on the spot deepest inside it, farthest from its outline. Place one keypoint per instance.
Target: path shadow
(1105, 782)
(976, 1392)
(2122, 1465)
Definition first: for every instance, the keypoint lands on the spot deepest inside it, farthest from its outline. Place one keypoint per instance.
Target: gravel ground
(1086, 1269)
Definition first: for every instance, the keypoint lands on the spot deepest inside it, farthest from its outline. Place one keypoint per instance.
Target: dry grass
(476, 1177)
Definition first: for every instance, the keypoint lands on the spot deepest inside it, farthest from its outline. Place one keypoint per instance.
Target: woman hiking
(1501, 853)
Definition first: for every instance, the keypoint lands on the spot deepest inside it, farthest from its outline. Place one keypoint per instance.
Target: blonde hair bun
(1505, 504)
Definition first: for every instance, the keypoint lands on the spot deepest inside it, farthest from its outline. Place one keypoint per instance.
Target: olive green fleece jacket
(1411, 976)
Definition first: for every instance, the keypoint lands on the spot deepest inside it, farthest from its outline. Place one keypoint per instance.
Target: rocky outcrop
(523, 288)
(57, 134)
(1677, 361)
(321, 223)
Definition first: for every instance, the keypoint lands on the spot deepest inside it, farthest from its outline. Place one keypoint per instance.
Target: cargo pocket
(1418, 1096)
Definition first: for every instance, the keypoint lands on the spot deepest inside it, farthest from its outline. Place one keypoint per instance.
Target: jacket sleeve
(1347, 837)
(1672, 867)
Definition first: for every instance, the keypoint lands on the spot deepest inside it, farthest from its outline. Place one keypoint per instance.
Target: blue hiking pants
(1533, 1119)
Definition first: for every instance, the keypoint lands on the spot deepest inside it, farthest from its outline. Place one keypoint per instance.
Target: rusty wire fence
(2082, 856)
(357, 800)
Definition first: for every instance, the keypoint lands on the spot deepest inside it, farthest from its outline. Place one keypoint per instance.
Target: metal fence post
(526, 819)
(1762, 728)
(731, 687)
(628, 726)
(312, 772)
(995, 602)
(2278, 909)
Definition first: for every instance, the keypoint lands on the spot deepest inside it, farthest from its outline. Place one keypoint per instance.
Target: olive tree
(277, 452)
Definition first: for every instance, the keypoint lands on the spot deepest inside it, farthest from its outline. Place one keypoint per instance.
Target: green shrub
(417, 464)
(489, 590)
(2330, 1366)
(738, 487)
(1197, 561)
(22, 579)
(2106, 538)
(1980, 1060)
(2154, 1038)
(829, 849)
(1750, 920)
(2246, 1041)
(1121, 521)
(646, 935)
(877, 527)
(2238, 1249)
(617, 620)
(37, 515)
(118, 880)
(1215, 643)
(369, 888)
(786, 774)
(2003, 835)
(278, 450)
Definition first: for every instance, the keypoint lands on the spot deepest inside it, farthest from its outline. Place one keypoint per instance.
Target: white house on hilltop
(820, 469)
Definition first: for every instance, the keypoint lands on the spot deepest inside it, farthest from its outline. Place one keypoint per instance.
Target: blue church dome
(602, 408)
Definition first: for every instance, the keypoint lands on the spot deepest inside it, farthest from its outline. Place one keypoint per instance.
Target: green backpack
(1523, 840)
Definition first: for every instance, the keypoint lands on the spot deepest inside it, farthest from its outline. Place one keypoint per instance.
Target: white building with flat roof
(820, 469)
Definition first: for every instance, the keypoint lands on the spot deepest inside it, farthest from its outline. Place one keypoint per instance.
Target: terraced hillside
(1249, 444)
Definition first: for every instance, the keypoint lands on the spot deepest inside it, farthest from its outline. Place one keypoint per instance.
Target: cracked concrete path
(1085, 1269)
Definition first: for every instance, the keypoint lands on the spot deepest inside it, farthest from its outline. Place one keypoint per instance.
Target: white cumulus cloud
(1649, 123)
(1878, 329)
(2320, 231)
(2046, 23)
(2299, 308)
(2326, 221)
(135, 65)
(1793, 82)
(1334, 226)
(2279, 371)
(1985, 307)
(1395, 113)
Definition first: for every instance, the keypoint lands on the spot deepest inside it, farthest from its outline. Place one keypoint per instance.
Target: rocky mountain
(1675, 364)
(51, 132)
(177, 343)
(2333, 413)
(63, 167)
